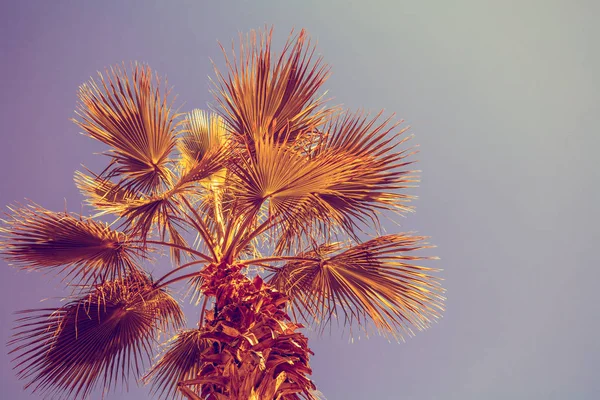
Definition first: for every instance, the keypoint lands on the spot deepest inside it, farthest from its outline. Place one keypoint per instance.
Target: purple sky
(504, 101)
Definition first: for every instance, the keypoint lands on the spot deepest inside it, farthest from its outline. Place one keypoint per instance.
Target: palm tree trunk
(257, 352)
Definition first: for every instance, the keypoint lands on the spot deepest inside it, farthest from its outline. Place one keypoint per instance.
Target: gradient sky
(502, 96)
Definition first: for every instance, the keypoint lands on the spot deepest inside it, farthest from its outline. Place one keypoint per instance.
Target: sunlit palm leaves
(35, 238)
(102, 194)
(273, 171)
(133, 117)
(202, 133)
(354, 171)
(374, 280)
(142, 215)
(104, 335)
(203, 155)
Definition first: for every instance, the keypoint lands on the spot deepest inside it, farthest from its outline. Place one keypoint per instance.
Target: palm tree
(263, 206)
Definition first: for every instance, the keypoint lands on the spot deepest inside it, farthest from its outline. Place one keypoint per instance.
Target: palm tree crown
(263, 204)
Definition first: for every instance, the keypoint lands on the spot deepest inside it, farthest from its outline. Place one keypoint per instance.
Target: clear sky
(502, 96)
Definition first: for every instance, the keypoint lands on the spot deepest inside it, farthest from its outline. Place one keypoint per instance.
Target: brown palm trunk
(257, 352)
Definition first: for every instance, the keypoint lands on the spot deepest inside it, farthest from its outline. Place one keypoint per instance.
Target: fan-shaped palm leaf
(35, 238)
(372, 280)
(134, 118)
(202, 132)
(144, 215)
(352, 173)
(362, 170)
(104, 335)
(163, 213)
(261, 94)
(205, 150)
(102, 194)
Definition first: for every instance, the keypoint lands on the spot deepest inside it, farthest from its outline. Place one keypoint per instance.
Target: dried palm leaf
(102, 336)
(250, 348)
(373, 280)
(135, 119)
(38, 239)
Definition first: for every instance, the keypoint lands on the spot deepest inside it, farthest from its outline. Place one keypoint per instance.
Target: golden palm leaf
(135, 119)
(261, 94)
(103, 194)
(204, 151)
(103, 336)
(202, 133)
(146, 215)
(162, 213)
(355, 171)
(374, 280)
(35, 238)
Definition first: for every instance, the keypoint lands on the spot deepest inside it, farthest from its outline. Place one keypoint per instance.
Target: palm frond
(181, 361)
(152, 214)
(163, 214)
(273, 173)
(355, 171)
(134, 118)
(209, 172)
(373, 281)
(204, 151)
(260, 93)
(38, 239)
(102, 336)
(103, 194)
(364, 171)
(202, 133)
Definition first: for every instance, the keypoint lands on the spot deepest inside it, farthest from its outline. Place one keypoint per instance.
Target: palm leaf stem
(177, 279)
(233, 246)
(162, 278)
(259, 261)
(202, 228)
(176, 246)
(218, 213)
(269, 222)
